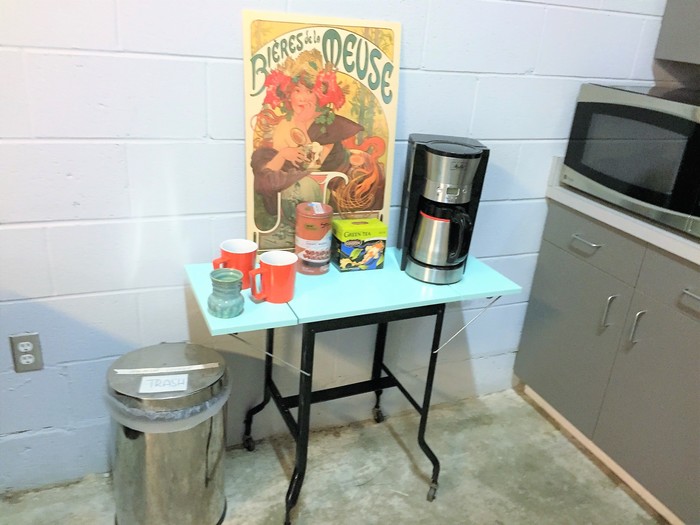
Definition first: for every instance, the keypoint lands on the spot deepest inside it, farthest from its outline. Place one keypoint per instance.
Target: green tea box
(358, 244)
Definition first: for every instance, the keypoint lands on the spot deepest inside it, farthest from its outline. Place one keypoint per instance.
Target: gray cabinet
(612, 341)
(569, 341)
(679, 37)
(580, 296)
(650, 418)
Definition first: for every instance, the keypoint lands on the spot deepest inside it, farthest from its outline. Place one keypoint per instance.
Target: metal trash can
(168, 464)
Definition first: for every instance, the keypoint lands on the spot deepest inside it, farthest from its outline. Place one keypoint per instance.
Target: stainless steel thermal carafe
(441, 241)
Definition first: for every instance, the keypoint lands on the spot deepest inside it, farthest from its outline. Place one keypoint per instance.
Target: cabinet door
(571, 332)
(679, 38)
(650, 419)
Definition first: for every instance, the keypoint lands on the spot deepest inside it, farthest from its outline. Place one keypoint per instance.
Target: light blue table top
(343, 294)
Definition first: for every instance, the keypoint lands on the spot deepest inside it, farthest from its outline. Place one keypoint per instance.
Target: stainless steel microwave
(639, 149)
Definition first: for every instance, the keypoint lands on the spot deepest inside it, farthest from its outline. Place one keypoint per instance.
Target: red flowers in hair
(277, 84)
(327, 89)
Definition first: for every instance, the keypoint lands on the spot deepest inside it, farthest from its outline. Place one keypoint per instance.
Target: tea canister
(313, 237)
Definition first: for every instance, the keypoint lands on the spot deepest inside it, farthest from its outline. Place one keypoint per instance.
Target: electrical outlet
(26, 352)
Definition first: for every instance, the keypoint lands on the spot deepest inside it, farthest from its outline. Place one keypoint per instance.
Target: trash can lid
(160, 376)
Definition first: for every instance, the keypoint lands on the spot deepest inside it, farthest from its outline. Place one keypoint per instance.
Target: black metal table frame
(381, 379)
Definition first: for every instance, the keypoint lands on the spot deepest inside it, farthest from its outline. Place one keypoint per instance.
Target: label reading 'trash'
(169, 383)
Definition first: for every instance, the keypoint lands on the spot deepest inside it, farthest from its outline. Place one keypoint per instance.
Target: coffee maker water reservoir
(442, 186)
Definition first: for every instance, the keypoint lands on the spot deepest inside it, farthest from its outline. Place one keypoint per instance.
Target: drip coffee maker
(442, 186)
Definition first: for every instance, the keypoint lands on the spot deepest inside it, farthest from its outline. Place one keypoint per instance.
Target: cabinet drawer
(671, 281)
(605, 248)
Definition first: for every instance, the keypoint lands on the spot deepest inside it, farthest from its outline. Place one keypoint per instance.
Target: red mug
(277, 273)
(239, 254)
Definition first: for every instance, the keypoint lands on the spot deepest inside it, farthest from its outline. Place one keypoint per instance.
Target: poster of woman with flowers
(321, 97)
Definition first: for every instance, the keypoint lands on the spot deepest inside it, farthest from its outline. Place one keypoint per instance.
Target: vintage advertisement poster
(320, 104)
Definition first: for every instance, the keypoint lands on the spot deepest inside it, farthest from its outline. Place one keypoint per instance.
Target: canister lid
(453, 149)
(167, 376)
(314, 209)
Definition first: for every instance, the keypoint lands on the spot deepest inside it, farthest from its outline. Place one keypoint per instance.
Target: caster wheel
(378, 415)
(431, 493)
(248, 443)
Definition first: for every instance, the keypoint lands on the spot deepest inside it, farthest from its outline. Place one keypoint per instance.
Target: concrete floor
(502, 463)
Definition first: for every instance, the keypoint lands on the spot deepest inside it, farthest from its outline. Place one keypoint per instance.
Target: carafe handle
(464, 224)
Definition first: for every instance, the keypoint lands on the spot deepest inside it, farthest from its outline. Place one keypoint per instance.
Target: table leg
(248, 442)
(303, 420)
(426, 404)
(379, 345)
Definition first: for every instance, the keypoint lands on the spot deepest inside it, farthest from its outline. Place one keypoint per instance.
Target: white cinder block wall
(122, 159)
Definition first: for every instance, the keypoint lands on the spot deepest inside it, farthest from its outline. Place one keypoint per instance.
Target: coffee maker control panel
(446, 193)
(450, 171)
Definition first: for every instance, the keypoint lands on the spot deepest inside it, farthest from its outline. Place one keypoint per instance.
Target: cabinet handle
(633, 332)
(587, 243)
(695, 296)
(604, 321)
